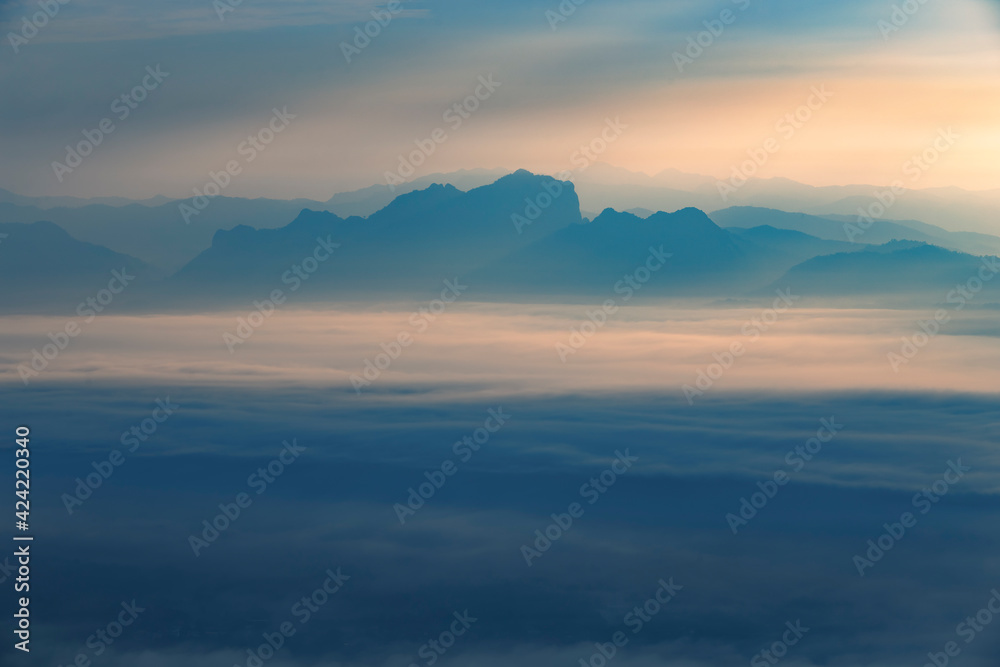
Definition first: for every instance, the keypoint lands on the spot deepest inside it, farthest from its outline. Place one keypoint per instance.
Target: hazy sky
(891, 95)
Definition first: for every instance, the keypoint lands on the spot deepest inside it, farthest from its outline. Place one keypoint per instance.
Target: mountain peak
(429, 197)
(610, 216)
(516, 178)
(689, 217)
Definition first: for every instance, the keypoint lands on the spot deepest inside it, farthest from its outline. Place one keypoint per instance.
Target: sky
(558, 78)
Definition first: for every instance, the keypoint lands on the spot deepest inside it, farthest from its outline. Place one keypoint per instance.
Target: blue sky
(558, 86)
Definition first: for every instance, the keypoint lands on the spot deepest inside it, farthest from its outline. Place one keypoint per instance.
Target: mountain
(411, 246)
(848, 228)
(784, 248)
(925, 272)
(953, 209)
(521, 236)
(48, 270)
(971, 242)
(244, 262)
(158, 235)
(156, 230)
(640, 212)
(597, 196)
(74, 202)
(592, 258)
(367, 201)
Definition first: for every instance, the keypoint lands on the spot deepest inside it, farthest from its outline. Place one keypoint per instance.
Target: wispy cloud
(605, 60)
(100, 20)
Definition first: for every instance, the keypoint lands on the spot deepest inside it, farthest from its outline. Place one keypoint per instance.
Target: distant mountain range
(155, 231)
(851, 229)
(897, 268)
(414, 243)
(8, 197)
(522, 236)
(44, 269)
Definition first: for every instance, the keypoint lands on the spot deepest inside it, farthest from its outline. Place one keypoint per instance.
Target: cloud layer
(532, 349)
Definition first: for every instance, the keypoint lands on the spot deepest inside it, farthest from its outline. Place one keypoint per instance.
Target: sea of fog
(807, 490)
